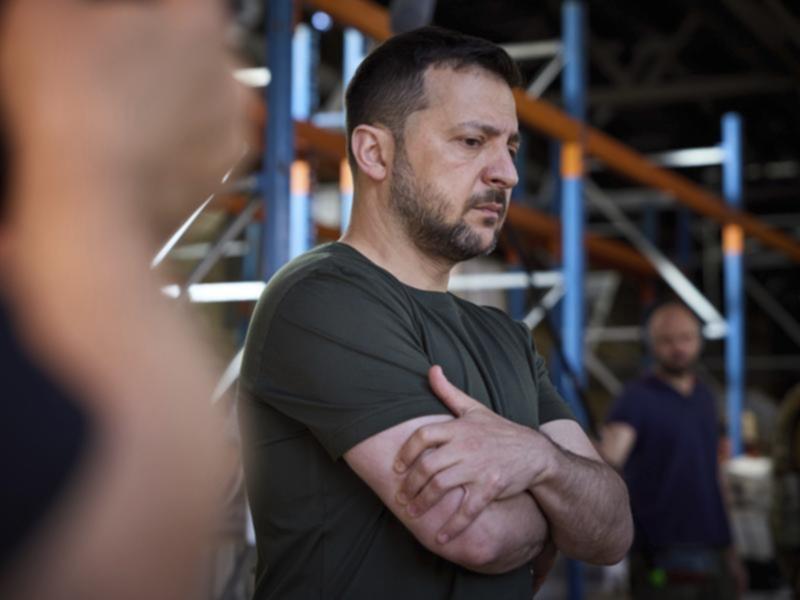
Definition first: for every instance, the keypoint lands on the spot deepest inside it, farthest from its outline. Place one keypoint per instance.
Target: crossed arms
(491, 495)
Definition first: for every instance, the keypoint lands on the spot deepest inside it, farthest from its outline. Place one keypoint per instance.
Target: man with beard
(663, 433)
(370, 474)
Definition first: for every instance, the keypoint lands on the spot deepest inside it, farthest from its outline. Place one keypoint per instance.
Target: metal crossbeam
(715, 325)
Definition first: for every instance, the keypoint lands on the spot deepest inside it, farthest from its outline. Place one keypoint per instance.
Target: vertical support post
(345, 193)
(302, 72)
(279, 151)
(300, 209)
(572, 205)
(300, 226)
(732, 247)
(572, 224)
(354, 45)
(683, 240)
(651, 227)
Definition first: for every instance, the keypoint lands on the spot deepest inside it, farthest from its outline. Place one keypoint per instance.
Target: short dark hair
(673, 302)
(389, 84)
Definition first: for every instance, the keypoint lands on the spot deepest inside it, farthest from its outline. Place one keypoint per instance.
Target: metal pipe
(533, 50)
(572, 205)
(774, 309)
(345, 194)
(626, 161)
(546, 76)
(279, 137)
(217, 251)
(732, 244)
(301, 230)
(354, 47)
(303, 76)
(573, 218)
(715, 325)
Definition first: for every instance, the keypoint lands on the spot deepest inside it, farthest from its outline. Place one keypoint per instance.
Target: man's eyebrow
(489, 130)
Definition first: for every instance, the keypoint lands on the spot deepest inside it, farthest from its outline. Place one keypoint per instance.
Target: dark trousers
(789, 561)
(681, 574)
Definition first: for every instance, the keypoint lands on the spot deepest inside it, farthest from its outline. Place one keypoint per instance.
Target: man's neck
(385, 243)
(683, 383)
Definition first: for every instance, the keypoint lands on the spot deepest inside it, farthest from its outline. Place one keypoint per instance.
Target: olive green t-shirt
(338, 350)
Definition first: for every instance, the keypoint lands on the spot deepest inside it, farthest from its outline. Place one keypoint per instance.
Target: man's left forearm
(586, 504)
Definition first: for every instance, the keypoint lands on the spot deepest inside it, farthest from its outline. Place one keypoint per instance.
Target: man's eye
(472, 142)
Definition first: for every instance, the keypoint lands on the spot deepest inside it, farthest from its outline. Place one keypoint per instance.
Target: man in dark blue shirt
(663, 433)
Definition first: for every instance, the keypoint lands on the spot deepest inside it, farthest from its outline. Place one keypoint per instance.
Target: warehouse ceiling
(661, 75)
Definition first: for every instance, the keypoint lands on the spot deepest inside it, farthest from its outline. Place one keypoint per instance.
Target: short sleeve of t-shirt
(341, 357)
(551, 405)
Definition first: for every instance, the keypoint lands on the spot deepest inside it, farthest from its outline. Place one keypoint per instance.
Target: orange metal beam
(547, 230)
(308, 137)
(373, 20)
(550, 120)
(312, 138)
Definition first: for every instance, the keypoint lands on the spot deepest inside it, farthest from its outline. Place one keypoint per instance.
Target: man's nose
(501, 172)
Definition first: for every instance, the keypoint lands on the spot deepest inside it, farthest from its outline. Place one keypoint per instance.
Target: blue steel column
(572, 224)
(300, 232)
(572, 205)
(354, 44)
(279, 151)
(732, 245)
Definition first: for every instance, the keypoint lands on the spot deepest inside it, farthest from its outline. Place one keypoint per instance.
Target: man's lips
(492, 208)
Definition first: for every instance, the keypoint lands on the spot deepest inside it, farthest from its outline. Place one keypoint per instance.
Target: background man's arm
(507, 534)
(616, 443)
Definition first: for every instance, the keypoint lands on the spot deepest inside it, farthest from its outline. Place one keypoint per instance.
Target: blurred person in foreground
(662, 433)
(118, 117)
(400, 442)
(785, 502)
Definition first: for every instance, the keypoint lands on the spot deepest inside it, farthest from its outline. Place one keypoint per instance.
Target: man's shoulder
(325, 283)
(327, 259)
(333, 270)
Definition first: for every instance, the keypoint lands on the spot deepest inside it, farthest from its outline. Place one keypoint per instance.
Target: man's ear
(373, 150)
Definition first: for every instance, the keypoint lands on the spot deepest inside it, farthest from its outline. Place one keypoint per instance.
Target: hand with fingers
(488, 456)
